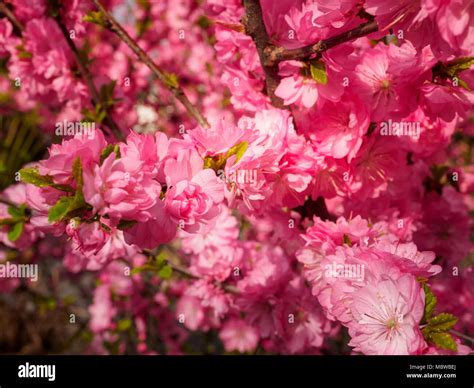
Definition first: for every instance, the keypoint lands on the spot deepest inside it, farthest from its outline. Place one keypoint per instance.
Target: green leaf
(459, 64)
(166, 272)
(32, 176)
(60, 210)
(15, 231)
(318, 72)
(77, 173)
(443, 341)
(171, 80)
(23, 53)
(441, 323)
(161, 259)
(108, 150)
(96, 17)
(124, 324)
(238, 150)
(463, 84)
(7, 221)
(78, 201)
(17, 212)
(106, 93)
(430, 302)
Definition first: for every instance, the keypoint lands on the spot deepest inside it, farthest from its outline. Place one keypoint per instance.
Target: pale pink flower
(239, 336)
(102, 310)
(304, 91)
(386, 317)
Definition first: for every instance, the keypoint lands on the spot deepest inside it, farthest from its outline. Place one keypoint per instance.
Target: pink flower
(218, 139)
(215, 253)
(302, 90)
(193, 195)
(99, 243)
(17, 195)
(239, 336)
(118, 193)
(159, 229)
(190, 312)
(301, 323)
(444, 101)
(339, 127)
(62, 156)
(387, 76)
(454, 20)
(386, 317)
(6, 36)
(102, 310)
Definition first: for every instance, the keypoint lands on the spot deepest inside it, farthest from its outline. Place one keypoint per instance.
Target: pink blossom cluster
(326, 208)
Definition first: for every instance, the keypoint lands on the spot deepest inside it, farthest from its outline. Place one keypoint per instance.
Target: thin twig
(9, 14)
(274, 55)
(187, 273)
(463, 336)
(171, 85)
(88, 78)
(255, 27)
(7, 202)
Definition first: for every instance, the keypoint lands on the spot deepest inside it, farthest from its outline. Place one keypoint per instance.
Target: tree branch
(10, 16)
(274, 55)
(166, 80)
(255, 27)
(88, 78)
(186, 272)
(190, 275)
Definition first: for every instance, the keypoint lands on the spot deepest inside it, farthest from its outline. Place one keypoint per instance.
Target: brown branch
(255, 27)
(10, 16)
(274, 55)
(463, 336)
(7, 202)
(171, 85)
(88, 78)
(185, 272)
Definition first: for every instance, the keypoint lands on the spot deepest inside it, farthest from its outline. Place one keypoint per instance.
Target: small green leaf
(171, 80)
(15, 231)
(96, 17)
(161, 259)
(441, 323)
(124, 324)
(459, 64)
(77, 171)
(165, 272)
(7, 221)
(443, 341)
(430, 302)
(17, 212)
(238, 150)
(108, 150)
(23, 53)
(106, 93)
(318, 72)
(32, 176)
(60, 210)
